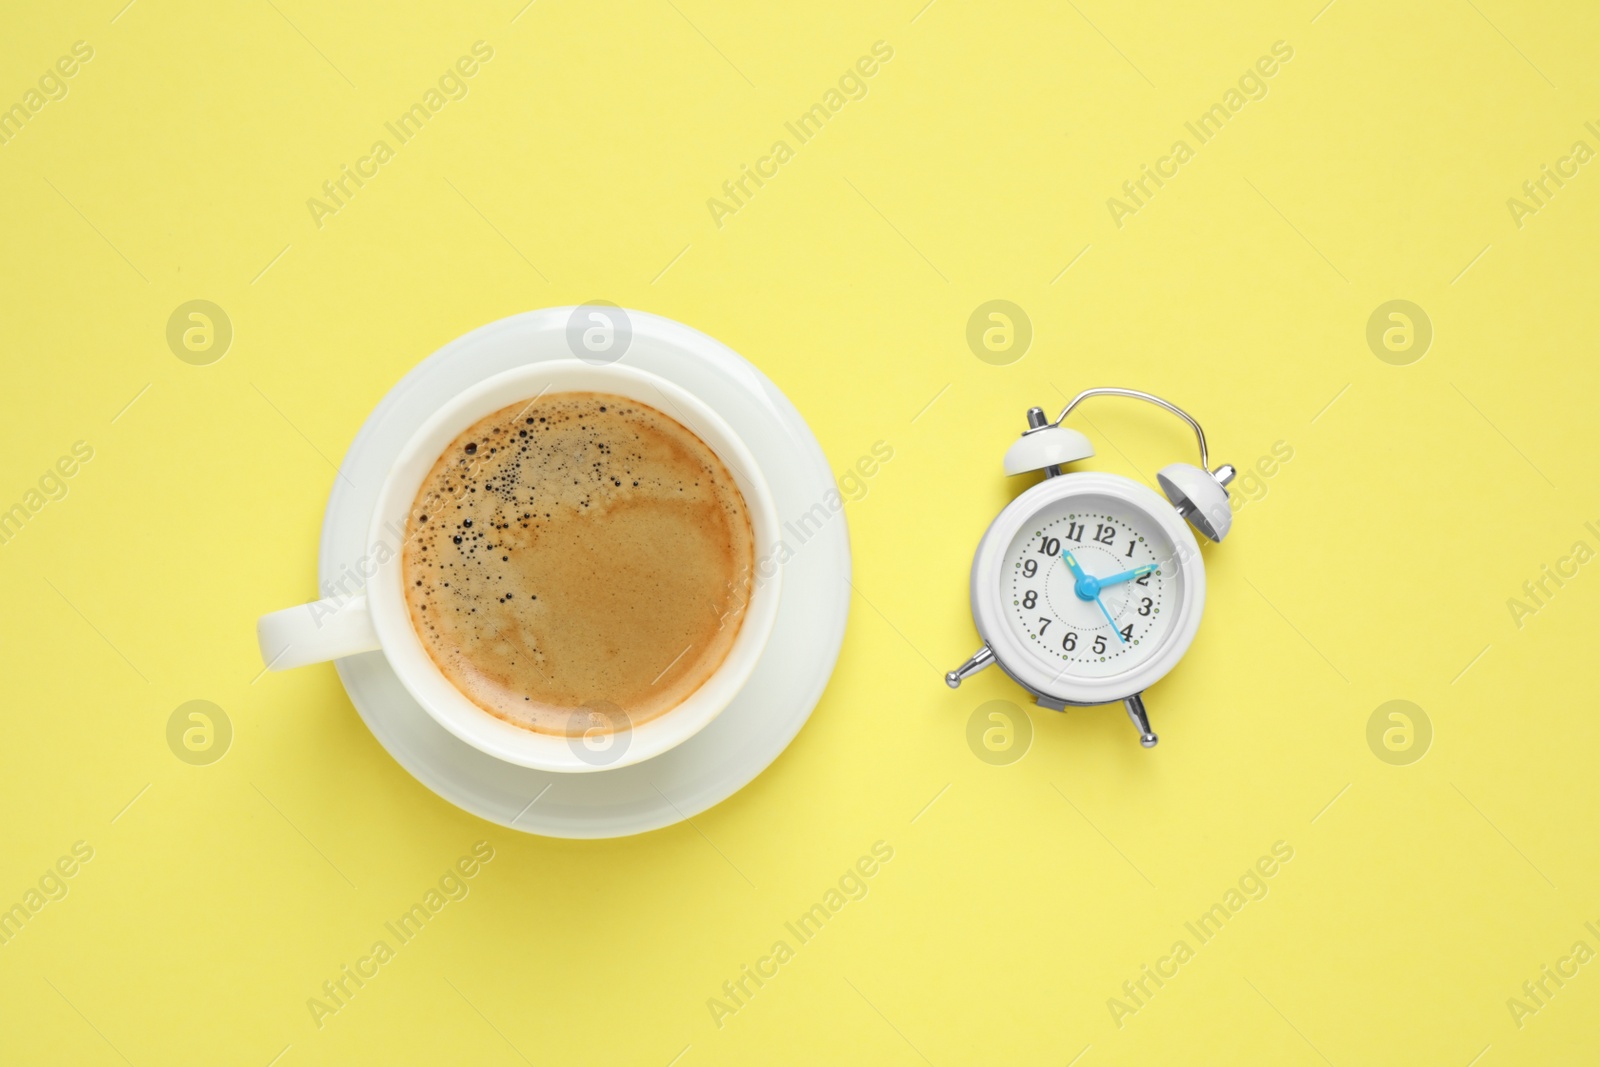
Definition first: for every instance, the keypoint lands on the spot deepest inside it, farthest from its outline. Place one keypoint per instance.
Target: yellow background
(1377, 566)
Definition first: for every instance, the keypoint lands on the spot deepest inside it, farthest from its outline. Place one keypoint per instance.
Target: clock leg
(980, 659)
(1141, 721)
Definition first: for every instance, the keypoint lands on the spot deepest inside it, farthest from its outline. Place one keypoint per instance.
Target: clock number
(1030, 598)
(1075, 532)
(1099, 643)
(1030, 568)
(1103, 533)
(1127, 632)
(1069, 642)
(1049, 546)
(1130, 549)
(1144, 605)
(1143, 579)
(1044, 624)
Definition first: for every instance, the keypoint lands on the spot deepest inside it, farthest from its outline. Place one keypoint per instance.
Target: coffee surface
(578, 559)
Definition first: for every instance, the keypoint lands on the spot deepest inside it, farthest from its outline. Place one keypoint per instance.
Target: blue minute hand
(1137, 572)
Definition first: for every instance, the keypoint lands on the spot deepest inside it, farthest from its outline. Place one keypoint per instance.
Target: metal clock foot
(1141, 720)
(980, 659)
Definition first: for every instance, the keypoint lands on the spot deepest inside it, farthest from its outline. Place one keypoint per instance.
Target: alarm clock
(1088, 588)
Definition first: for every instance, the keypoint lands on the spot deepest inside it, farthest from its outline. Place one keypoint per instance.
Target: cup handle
(316, 632)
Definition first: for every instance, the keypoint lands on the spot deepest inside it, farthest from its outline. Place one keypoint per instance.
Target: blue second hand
(1087, 583)
(1110, 621)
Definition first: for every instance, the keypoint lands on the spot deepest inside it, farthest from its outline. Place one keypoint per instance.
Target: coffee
(578, 559)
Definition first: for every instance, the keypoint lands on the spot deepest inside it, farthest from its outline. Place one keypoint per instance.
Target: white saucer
(763, 718)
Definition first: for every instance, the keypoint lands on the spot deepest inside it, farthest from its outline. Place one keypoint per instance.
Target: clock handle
(980, 659)
(1141, 721)
(1135, 394)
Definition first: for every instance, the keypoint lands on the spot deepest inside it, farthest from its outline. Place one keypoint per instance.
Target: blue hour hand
(1072, 565)
(1083, 586)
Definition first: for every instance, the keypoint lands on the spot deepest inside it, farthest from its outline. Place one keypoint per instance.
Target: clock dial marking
(1086, 587)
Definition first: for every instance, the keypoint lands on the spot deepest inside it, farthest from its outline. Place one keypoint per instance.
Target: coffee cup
(377, 619)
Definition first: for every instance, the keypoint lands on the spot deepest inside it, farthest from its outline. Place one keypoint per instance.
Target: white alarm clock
(1088, 588)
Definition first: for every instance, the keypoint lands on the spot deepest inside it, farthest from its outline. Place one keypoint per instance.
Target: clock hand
(1085, 587)
(1072, 565)
(1109, 620)
(1137, 572)
(1088, 588)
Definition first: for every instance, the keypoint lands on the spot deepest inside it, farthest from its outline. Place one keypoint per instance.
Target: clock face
(1091, 585)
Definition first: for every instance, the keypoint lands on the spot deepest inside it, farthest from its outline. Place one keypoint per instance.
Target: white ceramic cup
(378, 619)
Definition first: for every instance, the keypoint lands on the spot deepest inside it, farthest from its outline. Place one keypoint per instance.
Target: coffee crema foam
(576, 559)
